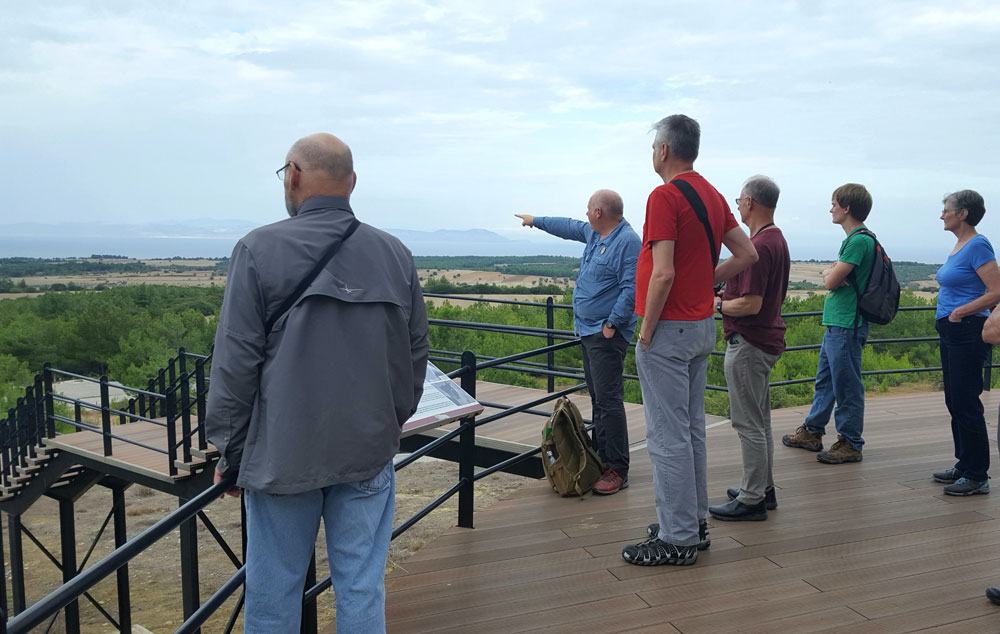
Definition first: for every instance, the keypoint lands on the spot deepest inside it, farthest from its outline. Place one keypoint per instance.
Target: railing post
(49, 405)
(105, 415)
(200, 396)
(467, 447)
(30, 423)
(185, 417)
(39, 412)
(171, 412)
(550, 323)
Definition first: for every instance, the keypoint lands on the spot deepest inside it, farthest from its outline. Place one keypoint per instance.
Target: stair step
(204, 454)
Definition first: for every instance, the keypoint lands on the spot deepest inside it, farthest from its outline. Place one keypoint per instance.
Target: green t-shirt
(841, 305)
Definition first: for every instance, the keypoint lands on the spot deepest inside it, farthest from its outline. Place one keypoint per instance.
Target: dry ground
(155, 574)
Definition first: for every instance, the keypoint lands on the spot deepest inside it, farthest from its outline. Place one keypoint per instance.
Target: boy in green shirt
(839, 388)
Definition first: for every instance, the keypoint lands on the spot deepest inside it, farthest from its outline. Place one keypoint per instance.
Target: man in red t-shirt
(686, 221)
(755, 338)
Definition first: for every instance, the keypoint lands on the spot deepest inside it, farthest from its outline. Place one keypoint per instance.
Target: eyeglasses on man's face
(284, 168)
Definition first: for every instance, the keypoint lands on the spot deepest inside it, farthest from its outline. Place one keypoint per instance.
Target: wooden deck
(871, 548)
(148, 457)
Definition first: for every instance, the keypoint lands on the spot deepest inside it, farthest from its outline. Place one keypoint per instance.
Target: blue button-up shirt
(605, 287)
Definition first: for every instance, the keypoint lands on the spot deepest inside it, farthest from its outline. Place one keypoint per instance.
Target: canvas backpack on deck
(570, 463)
(879, 301)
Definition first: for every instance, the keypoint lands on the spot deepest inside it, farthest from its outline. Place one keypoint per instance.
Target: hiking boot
(804, 440)
(840, 452)
(656, 552)
(610, 482)
(770, 499)
(947, 476)
(736, 511)
(704, 541)
(965, 486)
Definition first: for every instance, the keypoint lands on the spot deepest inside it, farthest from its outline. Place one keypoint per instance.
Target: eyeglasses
(741, 199)
(280, 173)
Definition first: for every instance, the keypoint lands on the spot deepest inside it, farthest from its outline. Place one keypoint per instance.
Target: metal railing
(39, 398)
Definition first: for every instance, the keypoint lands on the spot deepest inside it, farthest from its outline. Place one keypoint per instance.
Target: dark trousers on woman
(962, 355)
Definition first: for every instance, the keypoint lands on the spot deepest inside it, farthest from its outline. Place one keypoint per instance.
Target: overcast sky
(463, 113)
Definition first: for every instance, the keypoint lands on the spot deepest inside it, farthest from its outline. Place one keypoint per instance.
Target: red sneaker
(610, 483)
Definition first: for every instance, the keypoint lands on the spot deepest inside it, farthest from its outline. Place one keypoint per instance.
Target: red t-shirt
(769, 279)
(670, 217)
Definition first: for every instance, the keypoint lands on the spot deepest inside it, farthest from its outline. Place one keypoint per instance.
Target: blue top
(958, 279)
(605, 287)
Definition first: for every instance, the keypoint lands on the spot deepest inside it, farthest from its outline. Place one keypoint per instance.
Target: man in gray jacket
(306, 402)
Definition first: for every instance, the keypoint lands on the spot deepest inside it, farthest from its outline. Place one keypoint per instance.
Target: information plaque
(443, 401)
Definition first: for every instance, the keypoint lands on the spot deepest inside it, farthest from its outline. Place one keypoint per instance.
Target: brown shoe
(840, 452)
(804, 440)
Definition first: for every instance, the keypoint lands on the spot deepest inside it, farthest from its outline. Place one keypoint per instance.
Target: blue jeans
(281, 534)
(962, 355)
(838, 383)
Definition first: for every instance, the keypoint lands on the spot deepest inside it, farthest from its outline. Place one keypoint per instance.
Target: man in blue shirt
(604, 317)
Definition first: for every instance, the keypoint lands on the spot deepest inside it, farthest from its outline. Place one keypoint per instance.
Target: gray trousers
(672, 375)
(748, 371)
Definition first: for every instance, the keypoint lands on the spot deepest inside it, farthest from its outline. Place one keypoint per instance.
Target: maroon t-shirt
(769, 279)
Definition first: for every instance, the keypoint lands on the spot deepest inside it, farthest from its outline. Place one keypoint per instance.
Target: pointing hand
(527, 220)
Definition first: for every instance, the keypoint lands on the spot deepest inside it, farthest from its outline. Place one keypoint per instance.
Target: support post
(988, 368)
(121, 536)
(67, 537)
(3, 583)
(190, 597)
(309, 623)
(16, 565)
(467, 447)
(105, 415)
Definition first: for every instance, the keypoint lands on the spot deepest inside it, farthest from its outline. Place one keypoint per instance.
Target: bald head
(325, 167)
(610, 202)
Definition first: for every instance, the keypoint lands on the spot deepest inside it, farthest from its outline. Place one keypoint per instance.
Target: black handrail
(67, 592)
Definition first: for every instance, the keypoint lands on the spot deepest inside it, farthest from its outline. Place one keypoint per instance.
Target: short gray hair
(681, 134)
(762, 190)
(970, 201)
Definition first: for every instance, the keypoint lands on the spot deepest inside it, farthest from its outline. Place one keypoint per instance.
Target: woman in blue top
(970, 287)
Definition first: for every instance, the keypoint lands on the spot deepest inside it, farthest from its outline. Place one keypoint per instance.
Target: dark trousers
(603, 365)
(962, 355)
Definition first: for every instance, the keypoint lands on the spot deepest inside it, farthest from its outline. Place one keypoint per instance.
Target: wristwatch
(718, 307)
(609, 324)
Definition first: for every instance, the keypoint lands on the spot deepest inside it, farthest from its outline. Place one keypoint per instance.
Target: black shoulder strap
(852, 277)
(307, 280)
(699, 210)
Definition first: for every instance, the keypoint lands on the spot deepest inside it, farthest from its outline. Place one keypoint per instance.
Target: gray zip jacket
(321, 400)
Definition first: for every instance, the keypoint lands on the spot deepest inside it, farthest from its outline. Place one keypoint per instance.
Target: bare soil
(155, 574)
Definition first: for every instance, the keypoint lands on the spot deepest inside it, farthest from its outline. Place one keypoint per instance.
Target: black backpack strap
(852, 277)
(699, 210)
(307, 280)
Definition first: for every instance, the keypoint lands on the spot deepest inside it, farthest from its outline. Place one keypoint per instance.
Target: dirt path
(155, 574)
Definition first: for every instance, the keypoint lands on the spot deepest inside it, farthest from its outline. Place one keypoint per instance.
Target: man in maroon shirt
(755, 338)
